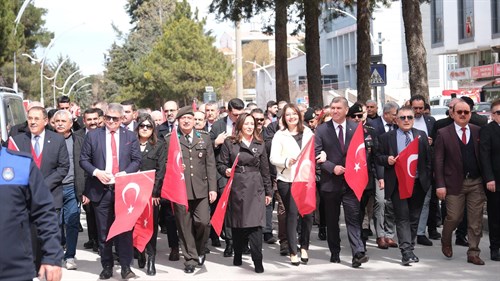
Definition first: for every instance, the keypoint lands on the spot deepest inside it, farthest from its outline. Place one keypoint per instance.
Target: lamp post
(77, 81)
(261, 68)
(63, 88)
(55, 79)
(16, 21)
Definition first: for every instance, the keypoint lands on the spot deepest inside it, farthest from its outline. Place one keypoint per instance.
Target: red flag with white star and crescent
(132, 194)
(356, 170)
(406, 169)
(304, 183)
(220, 211)
(143, 229)
(12, 145)
(174, 189)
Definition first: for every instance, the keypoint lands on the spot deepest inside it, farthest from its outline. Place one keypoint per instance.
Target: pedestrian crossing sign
(378, 75)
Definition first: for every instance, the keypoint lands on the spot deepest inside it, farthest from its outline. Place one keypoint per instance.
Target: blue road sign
(378, 75)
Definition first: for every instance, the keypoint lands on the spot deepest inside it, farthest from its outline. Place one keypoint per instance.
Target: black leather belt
(243, 169)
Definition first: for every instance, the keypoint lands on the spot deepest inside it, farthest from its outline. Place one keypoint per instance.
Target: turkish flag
(174, 185)
(143, 229)
(406, 169)
(356, 170)
(304, 183)
(12, 145)
(220, 211)
(132, 194)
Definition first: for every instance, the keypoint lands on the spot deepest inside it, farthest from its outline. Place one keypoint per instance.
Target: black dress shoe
(495, 255)
(434, 234)
(150, 266)
(335, 258)
(207, 250)
(163, 230)
(322, 233)
(127, 272)
(461, 241)
(228, 252)
(269, 238)
(259, 268)
(106, 273)
(216, 242)
(174, 254)
(141, 260)
(409, 257)
(237, 260)
(358, 259)
(89, 244)
(201, 260)
(189, 268)
(284, 248)
(423, 240)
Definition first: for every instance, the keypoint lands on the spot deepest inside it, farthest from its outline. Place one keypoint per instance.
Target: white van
(11, 111)
(440, 100)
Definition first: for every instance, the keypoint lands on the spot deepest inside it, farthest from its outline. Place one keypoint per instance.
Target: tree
(417, 55)
(313, 64)
(363, 51)
(257, 52)
(7, 17)
(181, 63)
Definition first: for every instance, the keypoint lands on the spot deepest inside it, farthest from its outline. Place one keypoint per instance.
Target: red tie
(464, 137)
(115, 169)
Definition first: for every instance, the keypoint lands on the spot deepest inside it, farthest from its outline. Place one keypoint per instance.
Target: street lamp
(55, 79)
(16, 21)
(74, 84)
(261, 68)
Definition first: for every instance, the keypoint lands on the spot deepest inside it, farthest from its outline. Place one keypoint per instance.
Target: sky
(83, 29)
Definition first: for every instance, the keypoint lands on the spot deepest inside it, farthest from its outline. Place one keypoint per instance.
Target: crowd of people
(69, 162)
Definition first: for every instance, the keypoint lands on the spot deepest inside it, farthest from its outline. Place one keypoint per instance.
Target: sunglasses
(259, 119)
(146, 126)
(112, 118)
(403, 118)
(464, 112)
(496, 112)
(354, 116)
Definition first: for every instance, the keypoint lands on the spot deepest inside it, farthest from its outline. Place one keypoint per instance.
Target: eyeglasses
(464, 112)
(496, 112)
(403, 118)
(112, 118)
(259, 119)
(418, 108)
(146, 126)
(354, 116)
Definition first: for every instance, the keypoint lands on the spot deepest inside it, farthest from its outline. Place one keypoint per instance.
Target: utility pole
(239, 62)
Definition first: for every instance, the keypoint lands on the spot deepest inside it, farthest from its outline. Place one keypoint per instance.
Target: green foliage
(7, 17)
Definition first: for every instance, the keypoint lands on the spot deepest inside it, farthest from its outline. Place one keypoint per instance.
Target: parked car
(483, 108)
(11, 111)
(439, 112)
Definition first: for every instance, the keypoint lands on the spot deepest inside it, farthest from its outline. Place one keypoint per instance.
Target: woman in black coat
(251, 189)
(154, 156)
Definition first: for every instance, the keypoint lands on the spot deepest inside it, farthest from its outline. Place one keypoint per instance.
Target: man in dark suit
(129, 115)
(458, 180)
(425, 123)
(166, 218)
(211, 114)
(371, 109)
(489, 151)
(201, 185)
(407, 210)
(106, 152)
(222, 129)
(50, 155)
(334, 189)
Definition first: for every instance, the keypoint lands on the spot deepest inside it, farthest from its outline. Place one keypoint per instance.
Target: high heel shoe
(294, 260)
(304, 257)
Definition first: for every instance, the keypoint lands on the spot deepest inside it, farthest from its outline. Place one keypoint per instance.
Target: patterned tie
(464, 136)
(341, 138)
(115, 168)
(37, 146)
(407, 140)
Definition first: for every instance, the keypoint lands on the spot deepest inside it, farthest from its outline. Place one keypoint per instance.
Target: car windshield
(438, 110)
(482, 107)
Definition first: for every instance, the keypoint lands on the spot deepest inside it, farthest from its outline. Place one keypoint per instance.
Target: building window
(466, 20)
(495, 16)
(468, 60)
(452, 62)
(437, 21)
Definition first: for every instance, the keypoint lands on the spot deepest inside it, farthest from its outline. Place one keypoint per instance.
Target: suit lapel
(334, 133)
(393, 143)
(349, 132)
(47, 146)
(453, 140)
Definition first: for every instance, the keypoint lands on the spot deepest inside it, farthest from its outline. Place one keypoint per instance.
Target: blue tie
(37, 146)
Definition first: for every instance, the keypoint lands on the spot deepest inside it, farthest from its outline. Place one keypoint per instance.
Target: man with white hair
(157, 117)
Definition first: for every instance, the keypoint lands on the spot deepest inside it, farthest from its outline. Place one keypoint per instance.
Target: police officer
(201, 184)
(25, 198)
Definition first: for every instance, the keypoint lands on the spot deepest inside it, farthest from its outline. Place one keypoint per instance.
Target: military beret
(183, 111)
(309, 115)
(355, 109)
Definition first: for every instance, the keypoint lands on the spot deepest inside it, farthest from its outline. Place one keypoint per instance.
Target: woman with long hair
(154, 155)
(286, 146)
(251, 188)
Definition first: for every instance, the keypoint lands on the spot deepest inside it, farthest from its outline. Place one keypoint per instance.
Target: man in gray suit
(201, 185)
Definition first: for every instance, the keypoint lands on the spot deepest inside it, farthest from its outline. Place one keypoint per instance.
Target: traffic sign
(378, 75)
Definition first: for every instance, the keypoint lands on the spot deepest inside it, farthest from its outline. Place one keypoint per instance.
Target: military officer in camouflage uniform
(201, 184)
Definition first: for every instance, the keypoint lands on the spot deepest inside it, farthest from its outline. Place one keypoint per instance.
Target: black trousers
(248, 235)
(345, 196)
(91, 224)
(151, 246)
(407, 213)
(291, 212)
(493, 208)
(166, 219)
(105, 215)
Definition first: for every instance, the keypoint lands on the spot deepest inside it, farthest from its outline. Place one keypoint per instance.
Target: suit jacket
(448, 167)
(79, 174)
(93, 156)
(55, 161)
(199, 161)
(489, 152)
(217, 128)
(154, 157)
(475, 119)
(163, 130)
(378, 125)
(326, 140)
(388, 146)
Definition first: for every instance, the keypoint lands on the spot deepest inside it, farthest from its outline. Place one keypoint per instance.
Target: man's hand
(85, 200)
(50, 272)
(339, 170)
(392, 160)
(220, 139)
(228, 172)
(441, 193)
(491, 186)
(381, 184)
(269, 199)
(103, 176)
(212, 195)
(156, 201)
